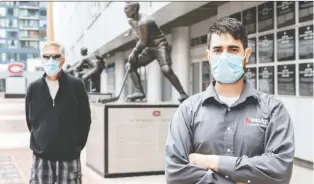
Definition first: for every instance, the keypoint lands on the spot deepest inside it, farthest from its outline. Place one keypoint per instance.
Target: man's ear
(248, 53)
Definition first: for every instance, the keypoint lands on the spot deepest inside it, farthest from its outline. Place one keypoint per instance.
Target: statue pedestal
(128, 139)
(94, 96)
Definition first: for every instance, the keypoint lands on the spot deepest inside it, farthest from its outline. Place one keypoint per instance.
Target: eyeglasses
(55, 56)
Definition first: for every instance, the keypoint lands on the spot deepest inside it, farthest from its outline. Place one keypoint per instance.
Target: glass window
(33, 34)
(43, 4)
(33, 44)
(11, 22)
(23, 34)
(12, 44)
(42, 34)
(11, 57)
(3, 12)
(2, 44)
(3, 57)
(23, 57)
(33, 12)
(43, 23)
(43, 13)
(2, 22)
(12, 12)
(195, 78)
(11, 34)
(2, 33)
(205, 75)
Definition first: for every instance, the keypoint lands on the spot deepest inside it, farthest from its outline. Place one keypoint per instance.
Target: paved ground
(15, 157)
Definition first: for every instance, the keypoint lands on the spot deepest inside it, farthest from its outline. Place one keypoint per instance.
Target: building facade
(22, 30)
(280, 35)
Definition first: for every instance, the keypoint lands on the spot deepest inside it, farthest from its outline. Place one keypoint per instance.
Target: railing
(29, 3)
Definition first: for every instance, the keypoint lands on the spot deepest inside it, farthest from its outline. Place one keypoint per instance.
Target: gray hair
(54, 44)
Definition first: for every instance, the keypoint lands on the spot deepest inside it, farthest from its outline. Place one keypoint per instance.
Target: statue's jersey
(155, 35)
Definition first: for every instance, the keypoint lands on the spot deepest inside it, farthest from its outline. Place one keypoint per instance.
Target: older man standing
(58, 117)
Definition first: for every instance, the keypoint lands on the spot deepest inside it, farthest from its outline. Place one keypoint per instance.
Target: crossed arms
(272, 167)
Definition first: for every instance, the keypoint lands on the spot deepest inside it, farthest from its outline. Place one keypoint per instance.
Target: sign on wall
(306, 74)
(286, 79)
(266, 48)
(252, 46)
(286, 45)
(16, 68)
(306, 38)
(305, 11)
(266, 79)
(249, 20)
(250, 76)
(266, 16)
(285, 13)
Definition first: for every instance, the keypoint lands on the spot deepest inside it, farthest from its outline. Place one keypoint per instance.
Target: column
(50, 35)
(181, 58)
(119, 74)
(103, 82)
(154, 90)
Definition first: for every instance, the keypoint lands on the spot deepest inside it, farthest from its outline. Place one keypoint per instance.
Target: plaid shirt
(59, 172)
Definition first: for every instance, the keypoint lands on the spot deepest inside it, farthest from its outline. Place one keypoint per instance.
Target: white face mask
(227, 68)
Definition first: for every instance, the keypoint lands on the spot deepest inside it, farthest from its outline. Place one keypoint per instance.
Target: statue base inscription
(128, 139)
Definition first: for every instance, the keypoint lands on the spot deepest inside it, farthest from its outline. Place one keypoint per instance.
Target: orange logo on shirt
(248, 120)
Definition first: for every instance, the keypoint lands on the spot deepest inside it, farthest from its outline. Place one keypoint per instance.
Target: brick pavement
(15, 156)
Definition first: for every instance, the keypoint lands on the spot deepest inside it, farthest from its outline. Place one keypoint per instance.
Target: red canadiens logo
(15, 68)
(156, 113)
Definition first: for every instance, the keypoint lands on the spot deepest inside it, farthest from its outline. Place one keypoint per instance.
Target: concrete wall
(106, 20)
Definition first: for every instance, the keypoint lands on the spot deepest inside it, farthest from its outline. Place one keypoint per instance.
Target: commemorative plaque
(250, 76)
(252, 46)
(249, 20)
(266, 16)
(306, 42)
(285, 13)
(306, 74)
(266, 79)
(305, 11)
(266, 48)
(286, 79)
(286, 45)
(236, 16)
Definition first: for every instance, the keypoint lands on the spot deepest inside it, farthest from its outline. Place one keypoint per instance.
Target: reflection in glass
(266, 79)
(286, 79)
(266, 48)
(266, 16)
(285, 13)
(250, 76)
(252, 46)
(306, 38)
(286, 45)
(205, 75)
(249, 20)
(305, 11)
(306, 74)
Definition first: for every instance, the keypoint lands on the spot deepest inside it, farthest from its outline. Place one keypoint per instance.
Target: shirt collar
(247, 92)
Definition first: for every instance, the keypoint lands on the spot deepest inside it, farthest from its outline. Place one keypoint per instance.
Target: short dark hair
(133, 4)
(229, 25)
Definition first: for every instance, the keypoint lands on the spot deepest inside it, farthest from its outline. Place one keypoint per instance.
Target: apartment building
(22, 30)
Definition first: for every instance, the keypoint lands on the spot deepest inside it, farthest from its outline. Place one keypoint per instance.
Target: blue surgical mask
(52, 67)
(227, 68)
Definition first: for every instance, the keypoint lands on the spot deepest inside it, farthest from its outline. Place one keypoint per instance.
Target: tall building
(22, 30)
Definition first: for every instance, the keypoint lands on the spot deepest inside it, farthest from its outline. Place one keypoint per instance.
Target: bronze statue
(89, 67)
(151, 44)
